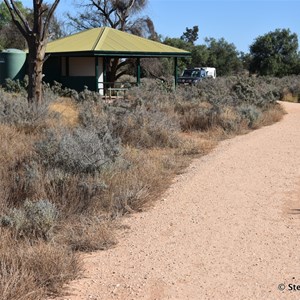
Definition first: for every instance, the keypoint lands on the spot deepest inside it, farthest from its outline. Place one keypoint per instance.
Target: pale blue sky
(238, 21)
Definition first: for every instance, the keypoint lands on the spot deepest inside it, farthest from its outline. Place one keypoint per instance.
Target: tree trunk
(35, 69)
(112, 67)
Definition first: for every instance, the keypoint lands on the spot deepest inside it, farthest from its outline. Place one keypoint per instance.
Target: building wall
(100, 76)
(81, 66)
(75, 72)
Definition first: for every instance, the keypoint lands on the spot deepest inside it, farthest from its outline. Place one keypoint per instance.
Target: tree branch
(13, 10)
(48, 18)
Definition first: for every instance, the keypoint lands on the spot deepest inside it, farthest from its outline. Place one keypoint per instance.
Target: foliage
(223, 56)
(14, 109)
(121, 15)
(10, 37)
(83, 150)
(215, 53)
(275, 53)
(200, 56)
(181, 44)
(34, 219)
(190, 35)
(34, 271)
(147, 127)
(88, 234)
(14, 86)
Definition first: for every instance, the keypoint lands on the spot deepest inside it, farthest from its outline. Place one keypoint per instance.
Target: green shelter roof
(108, 41)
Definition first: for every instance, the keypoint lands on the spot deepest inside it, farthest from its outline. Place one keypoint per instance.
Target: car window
(187, 73)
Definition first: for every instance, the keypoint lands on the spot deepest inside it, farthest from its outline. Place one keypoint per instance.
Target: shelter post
(96, 74)
(138, 71)
(175, 71)
(104, 75)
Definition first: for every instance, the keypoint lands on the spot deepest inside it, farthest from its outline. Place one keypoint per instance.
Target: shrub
(15, 86)
(229, 119)
(34, 219)
(80, 150)
(15, 110)
(196, 116)
(146, 128)
(250, 113)
(254, 92)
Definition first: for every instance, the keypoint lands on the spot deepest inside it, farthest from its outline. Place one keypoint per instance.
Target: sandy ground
(229, 228)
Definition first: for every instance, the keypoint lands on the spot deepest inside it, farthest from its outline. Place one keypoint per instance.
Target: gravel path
(229, 228)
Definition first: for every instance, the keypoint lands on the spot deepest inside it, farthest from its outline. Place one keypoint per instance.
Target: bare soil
(228, 228)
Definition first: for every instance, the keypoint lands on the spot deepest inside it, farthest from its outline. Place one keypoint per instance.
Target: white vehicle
(209, 72)
(193, 76)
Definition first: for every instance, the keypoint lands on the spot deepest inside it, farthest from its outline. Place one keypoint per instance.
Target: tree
(36, 36)
(275, 53)
(117, 14)
(223, 56)
(190, 35)
(200, 56)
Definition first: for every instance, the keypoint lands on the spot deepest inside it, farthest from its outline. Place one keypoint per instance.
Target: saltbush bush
(34, 219)
(78, 151)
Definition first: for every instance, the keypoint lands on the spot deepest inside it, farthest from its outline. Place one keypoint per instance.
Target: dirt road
(229, 228)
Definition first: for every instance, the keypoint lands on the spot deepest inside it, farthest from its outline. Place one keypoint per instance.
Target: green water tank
(12, 64)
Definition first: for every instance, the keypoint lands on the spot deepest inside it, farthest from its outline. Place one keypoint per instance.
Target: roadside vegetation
(71, 168)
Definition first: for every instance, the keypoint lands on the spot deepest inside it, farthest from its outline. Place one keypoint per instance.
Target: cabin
(80, 59)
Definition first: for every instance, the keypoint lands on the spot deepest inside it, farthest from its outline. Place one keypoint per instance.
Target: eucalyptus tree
(275, 53)
(223, 56)
(190, 35)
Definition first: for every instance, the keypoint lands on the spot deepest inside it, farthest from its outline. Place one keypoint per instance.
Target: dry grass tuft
(32, 271)
(14, 145)
(16, 280)
(69, 115)
(52, 265)
(142, 175)
(87, 234)
(272, 115)
(195, 143)
(289, 97)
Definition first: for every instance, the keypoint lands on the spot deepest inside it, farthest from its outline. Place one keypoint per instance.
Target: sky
(237, 21)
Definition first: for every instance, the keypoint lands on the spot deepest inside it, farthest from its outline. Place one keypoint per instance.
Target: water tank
(12, 64)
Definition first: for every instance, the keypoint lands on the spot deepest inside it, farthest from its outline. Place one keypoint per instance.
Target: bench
(117, 90)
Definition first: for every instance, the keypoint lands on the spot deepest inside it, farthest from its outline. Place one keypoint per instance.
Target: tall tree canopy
(190, 35)
(36, 36)
(123, 15)
(223, 56)
(275, 53)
